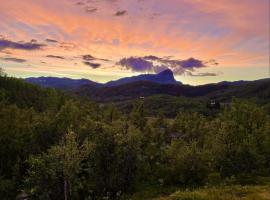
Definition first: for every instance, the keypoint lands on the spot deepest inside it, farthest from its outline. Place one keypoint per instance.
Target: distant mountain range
(61, 83)
(164, 77)
(163, 83)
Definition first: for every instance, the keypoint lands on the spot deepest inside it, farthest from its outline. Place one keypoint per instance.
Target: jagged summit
(166, 72)
(167, 75)
(164, 77)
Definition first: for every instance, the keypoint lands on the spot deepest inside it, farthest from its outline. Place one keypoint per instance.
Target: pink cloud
(233, 32)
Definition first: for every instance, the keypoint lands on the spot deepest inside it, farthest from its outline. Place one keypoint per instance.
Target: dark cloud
(191, 63)
(57, 57)
(51, 40)
(136, 64)
(89, 9)
(18, 60)
(120, 13)
(91, 64)
(157, 64)
(32, 45)
(88, 57)
(179, 66)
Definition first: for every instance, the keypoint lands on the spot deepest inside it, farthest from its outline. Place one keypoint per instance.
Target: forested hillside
(139, 86)
(54, 146)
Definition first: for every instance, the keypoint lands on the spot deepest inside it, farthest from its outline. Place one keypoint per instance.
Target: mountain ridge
(143, 85)
(61, 83)
(164, 77)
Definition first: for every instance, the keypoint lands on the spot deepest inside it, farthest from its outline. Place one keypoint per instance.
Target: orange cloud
(233, 33)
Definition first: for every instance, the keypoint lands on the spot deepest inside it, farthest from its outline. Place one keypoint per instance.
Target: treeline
(53, 146)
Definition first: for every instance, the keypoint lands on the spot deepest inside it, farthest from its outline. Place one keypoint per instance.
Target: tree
(110, 170)
(16, 139)
(188, 163)
(61, 164)
(240, 137)
(111, 113)
(138, 116)
(191, 126)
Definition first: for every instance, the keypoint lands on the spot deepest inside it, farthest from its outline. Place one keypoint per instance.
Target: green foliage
(113, 154)
(166, 105)
(138, 117)
(191, 127)
(189, 164)
(54, 174)
(109, 171)
(241, 143)
(25, 95)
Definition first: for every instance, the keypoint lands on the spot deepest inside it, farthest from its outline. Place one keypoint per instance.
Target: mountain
(61, 83)
(164, 77)
(157, 84)
(138, 89)
(259, 90)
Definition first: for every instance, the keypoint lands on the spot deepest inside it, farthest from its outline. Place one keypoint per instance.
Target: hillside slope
(259, 89)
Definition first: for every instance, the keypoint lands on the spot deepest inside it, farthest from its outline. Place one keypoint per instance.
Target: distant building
(213, 104)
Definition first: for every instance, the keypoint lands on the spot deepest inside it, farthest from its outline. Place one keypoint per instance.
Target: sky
(201, 41)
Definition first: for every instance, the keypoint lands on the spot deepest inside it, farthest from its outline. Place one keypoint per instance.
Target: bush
(189, 164)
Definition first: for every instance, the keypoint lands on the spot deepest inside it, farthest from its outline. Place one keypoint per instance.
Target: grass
(151, 191)
(235, 192)
(222, 193)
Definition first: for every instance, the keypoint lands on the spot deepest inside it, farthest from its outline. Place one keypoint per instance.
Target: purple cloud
(191, 63)
(32, 45)
(136, 64)
(92, 65)
(157, 64)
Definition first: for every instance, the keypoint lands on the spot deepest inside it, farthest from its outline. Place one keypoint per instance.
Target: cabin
(213, 104)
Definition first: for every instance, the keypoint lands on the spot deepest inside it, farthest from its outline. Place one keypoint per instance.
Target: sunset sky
(201, 41)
